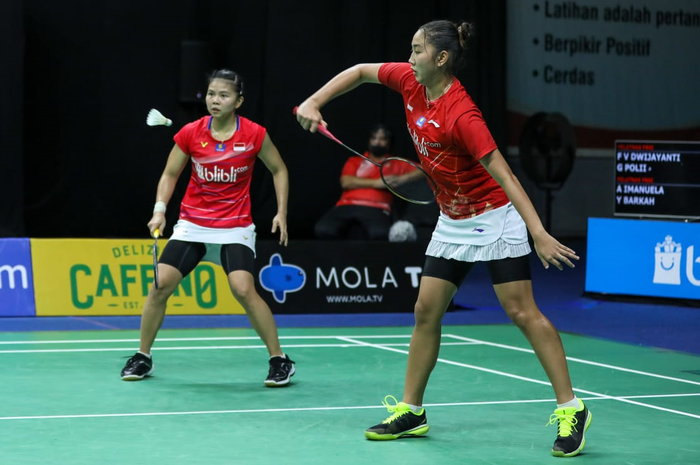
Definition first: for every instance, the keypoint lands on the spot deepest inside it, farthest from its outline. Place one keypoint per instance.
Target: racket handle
(156, 233)
(322, 129)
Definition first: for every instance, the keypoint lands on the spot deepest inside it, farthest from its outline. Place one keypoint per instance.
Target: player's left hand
(551, 251)
(280, 221)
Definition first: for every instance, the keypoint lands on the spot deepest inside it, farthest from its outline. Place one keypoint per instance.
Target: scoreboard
(657, 179)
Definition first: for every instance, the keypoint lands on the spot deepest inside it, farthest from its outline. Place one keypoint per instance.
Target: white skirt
(494, 235)
(214, 238)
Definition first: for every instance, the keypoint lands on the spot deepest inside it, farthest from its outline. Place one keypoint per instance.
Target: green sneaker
(402, 422)
(573, 423)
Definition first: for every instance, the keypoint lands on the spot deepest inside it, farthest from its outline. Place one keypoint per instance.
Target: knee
(243, 292)
(522, 315)
(163, 292)
(426, 315)
(518, 316)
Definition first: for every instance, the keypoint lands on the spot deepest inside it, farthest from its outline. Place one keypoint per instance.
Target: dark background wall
(80, 76)
(11, 110)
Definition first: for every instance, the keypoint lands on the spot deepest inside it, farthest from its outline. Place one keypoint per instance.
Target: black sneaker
(281, 370)
(137, 367)
(402, 422)
(573, 423)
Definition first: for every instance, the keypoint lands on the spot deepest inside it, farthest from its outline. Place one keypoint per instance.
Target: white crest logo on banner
(667, 269)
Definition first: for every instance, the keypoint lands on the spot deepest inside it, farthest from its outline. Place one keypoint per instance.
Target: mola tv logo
(667, 263)
(279, 278)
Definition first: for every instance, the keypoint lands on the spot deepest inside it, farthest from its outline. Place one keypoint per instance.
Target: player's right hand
(157, 222)
(309, 115)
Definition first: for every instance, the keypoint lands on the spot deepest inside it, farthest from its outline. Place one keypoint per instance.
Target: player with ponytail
(485, 216)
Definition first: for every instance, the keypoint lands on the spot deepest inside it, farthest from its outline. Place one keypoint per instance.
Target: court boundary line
(537, 381)
(322, 337)
(322, 409)
(214, 338)
(159, 349)
(577, 360)
(388, 347)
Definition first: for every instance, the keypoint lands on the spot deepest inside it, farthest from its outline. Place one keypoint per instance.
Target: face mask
(377, 150)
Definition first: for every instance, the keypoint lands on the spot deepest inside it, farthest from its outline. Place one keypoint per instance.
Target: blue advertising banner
(643, 258)
(16, 280)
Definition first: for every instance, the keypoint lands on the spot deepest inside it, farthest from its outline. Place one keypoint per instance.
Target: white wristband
(159, 207)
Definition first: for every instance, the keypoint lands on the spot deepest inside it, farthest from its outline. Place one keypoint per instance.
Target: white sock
(415, 408)
(572, 403)
(144, 354)
(281, 356)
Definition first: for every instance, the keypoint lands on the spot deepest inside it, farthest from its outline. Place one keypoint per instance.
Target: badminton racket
(403, 178)
(156, 233)
(156, 118)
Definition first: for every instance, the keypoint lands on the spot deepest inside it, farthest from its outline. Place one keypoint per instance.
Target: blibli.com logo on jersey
(421, 144)
(218, 174)
(667, 263)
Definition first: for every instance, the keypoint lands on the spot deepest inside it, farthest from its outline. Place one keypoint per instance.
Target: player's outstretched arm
(309, 112)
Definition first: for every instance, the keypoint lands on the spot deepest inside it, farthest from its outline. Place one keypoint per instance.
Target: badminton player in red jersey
(215, 221)
(484, 216)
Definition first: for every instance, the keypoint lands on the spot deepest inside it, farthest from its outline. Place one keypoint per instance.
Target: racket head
(408, 180)
(156, 233)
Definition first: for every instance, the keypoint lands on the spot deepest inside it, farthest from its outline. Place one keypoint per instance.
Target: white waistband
(502, 223)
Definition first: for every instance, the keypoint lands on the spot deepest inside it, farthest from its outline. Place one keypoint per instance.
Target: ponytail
(465, 31)
(451, 37)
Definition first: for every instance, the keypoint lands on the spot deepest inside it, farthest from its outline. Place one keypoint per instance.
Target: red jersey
(368, 196)
(450, 136)
(218, 194)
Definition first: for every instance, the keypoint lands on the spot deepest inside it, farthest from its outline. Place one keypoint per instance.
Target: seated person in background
(365, 202)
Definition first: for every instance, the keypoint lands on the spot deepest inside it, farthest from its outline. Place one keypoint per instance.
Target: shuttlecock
(156, 118)
(402, 231)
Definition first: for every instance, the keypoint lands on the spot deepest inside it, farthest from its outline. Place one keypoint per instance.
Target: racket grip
(322, 129)
(156, 233)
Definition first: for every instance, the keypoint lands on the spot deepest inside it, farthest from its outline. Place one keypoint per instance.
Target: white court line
(578, 360)
(158, 349)
(305, 409)
(354, 342)
(465, 341)
(183, 339)
(654, 396)
(531, 380)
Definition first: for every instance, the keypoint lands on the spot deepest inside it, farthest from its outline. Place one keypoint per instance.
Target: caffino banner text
(90, 277)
